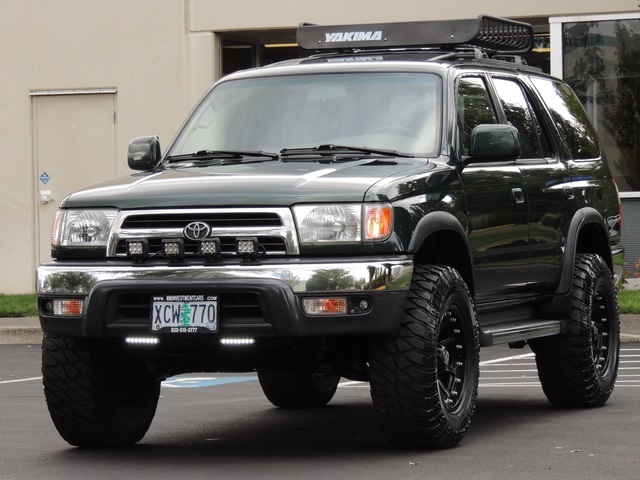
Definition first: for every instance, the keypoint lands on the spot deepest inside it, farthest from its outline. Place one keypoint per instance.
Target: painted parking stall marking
(185, 381)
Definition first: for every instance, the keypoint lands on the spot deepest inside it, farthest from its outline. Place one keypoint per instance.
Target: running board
(518, 331)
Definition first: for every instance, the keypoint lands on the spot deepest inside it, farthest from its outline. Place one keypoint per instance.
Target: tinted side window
(521, 115)
(570, 118)
(474, 108)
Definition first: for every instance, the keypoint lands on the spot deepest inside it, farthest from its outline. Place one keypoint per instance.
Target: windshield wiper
(331, 149)
(221, 155)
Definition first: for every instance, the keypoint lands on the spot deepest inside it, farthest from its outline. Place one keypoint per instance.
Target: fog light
(137, 247)
(209, 248)
(325, 305)
(247, 247)
(173, 247)
(68, 307)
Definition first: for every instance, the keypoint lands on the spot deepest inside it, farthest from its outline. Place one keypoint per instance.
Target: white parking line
(506, 359)
(21, 380)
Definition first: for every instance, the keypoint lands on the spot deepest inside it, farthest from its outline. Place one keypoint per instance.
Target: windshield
(390, 111)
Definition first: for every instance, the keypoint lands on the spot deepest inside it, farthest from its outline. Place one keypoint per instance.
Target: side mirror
(494, 142)
(144, 153)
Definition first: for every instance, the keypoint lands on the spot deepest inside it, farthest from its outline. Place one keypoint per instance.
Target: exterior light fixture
(173, 248)
(137, 248)
(247, 247)
(209, 248)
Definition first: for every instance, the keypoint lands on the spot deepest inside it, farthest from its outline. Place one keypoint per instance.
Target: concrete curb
(22, 331)
(20, 335)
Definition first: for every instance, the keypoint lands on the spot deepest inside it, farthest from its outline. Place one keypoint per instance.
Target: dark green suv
(375, 211)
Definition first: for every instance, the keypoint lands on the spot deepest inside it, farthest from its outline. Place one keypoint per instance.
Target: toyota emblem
(196, 231)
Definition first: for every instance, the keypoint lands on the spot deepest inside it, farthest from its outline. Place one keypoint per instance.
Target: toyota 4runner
(378, 211)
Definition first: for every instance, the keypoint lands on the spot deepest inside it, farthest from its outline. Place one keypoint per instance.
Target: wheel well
(591, 239)
(446, 247)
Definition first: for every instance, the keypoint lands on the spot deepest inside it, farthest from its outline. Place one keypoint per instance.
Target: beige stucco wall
(141, 48)
(159, 56)
(209, 15)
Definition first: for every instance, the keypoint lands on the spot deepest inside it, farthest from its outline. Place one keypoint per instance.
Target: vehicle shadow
(344, 431)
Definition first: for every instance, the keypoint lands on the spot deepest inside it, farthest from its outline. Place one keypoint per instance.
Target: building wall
(158, 56)
(207, 15)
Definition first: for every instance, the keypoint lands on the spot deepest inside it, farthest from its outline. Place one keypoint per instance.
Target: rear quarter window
(570, 118)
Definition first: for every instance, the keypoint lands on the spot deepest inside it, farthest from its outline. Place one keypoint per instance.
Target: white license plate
(184, 314)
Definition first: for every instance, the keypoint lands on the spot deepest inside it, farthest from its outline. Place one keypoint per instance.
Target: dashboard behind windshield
(392, 111)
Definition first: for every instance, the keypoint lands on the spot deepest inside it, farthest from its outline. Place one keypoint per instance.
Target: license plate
(184, 314)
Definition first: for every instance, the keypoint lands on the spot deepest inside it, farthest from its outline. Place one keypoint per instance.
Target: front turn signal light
(378, 222)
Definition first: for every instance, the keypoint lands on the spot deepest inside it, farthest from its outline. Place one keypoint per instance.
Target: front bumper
(260, 299)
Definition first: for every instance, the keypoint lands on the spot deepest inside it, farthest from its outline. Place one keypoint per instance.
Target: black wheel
(96, 395)
(298, 389)
(579, 368)
(424, 378)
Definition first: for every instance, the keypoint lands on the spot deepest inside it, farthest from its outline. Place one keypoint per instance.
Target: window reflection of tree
(602, 64)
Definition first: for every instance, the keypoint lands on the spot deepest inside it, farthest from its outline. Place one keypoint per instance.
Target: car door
(550, 196)
(497, 206)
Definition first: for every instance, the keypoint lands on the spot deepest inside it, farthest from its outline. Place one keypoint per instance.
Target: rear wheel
(298, 389)
(424, 378)
(579, 368)
(97, 396)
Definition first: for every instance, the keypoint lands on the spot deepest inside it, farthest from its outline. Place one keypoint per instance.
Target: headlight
(343, 223)
(82, 228)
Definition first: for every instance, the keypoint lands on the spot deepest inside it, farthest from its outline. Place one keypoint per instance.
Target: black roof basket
(499, 35)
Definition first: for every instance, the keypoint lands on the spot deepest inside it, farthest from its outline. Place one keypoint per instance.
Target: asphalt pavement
(15, 331)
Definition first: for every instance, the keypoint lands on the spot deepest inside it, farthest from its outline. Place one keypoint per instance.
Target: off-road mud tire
(94, 397)
(579, 368)
(424, 378)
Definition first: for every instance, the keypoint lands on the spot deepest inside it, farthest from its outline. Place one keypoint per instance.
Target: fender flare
(439, 221)
(583, 217)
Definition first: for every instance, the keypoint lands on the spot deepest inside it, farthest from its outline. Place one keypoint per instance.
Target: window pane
(474, 108)
(570, 118)
(518, 113)
(602, 64)
(395, 111)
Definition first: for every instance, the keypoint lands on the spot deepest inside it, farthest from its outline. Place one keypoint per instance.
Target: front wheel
(97, 395)
(579, 368)
(424, 378)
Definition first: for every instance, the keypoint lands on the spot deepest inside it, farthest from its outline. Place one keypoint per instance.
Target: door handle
(518, 195)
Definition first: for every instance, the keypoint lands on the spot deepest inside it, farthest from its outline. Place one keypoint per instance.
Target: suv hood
(271, 183)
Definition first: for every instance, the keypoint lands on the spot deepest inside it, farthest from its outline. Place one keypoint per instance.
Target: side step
(518, 331)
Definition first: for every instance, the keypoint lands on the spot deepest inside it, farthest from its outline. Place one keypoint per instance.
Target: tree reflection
(602, 64)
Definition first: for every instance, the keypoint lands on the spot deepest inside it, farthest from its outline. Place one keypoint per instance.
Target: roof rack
(499, 35)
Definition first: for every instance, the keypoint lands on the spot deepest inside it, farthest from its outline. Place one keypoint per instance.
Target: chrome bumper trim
(58, 278)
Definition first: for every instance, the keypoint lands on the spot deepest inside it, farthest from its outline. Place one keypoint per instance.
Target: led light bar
(142, 340)
(237, 341)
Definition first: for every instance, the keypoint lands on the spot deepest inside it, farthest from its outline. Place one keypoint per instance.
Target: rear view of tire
(298, 389)
(579, 368)
(424, 378)
(95, 397)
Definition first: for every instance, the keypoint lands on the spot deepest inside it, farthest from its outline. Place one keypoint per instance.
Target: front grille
(213, 219)
(273, 227)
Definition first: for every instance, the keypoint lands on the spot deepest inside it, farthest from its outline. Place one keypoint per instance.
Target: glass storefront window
(601, 62)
